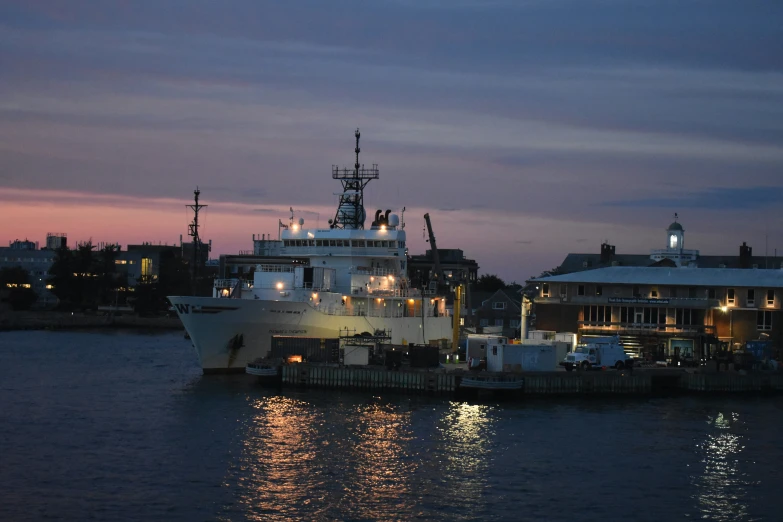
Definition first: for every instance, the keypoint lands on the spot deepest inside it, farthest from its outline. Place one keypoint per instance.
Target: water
(122, 426)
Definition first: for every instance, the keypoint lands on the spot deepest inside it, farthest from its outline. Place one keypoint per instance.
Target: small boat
(492, 382)
(263, 369)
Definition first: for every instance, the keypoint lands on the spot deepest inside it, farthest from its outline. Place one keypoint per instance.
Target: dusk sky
(528, 129)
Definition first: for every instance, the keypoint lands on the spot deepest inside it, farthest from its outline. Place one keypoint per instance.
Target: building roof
(631, 275)
(675, 226)
(581, 262)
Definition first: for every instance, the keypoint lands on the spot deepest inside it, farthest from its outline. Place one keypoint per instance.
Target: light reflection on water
(121, 429)
(466, 430)
(722, 487)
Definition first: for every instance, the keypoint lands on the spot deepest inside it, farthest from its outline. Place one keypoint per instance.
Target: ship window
(319, 242)
(710, 293)
(770, 297)
(580, 290)
(385, 244)
(545, 290)
(751, 296)
(331, 242)
(599, 290)
(730, 296)
(359, 244)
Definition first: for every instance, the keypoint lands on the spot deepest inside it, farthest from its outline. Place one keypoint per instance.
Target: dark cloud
(569, 108)
(739, 198)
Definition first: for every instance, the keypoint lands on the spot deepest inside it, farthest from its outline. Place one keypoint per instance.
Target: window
(770, 297)
(563, 290)
(764, 320)
(545, 290)
(146, 266)
(514, 323)
(484, 322)
(692, 292)
(636, 291)
(683, 317)
(730, 296)
(498, 305)
(599, 290)
(580, 290)
(654, 292)
(597, 314)
(710, 293)
(751, 297)
(498, 322)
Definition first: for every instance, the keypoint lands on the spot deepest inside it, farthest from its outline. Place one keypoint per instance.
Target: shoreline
(15, 321)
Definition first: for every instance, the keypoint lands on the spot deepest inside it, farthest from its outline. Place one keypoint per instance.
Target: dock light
(410, 301)
(315, 296)
(724, 309)
(391, 278)
(295, 227)
(379, 299)
(383, 227)
(279, 286)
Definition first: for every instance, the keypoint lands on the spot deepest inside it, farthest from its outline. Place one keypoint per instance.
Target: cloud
(722, 198)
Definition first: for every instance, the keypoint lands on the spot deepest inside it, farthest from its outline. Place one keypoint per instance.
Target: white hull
(230, 333)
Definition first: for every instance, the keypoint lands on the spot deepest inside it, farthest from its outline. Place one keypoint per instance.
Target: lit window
(672, 241)
(146, 266)
(770, 297)
(730, 296)
(751, 297)
(545, 290)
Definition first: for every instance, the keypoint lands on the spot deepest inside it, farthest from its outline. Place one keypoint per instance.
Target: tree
(17, 281)
(489, 283)
(13, 276)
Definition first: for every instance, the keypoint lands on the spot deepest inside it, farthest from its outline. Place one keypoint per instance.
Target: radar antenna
(350, 210)
(193, 232)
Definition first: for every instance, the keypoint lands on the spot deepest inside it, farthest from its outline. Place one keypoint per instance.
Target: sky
(527, 129)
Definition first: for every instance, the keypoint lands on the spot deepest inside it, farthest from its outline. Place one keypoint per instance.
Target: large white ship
(319, 283)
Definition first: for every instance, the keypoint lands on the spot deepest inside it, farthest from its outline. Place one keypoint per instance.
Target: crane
(459, 289)
(437, 271)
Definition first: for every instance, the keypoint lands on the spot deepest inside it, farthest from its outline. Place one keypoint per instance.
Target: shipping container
(311, 349)
(522, 357)
(424, 356)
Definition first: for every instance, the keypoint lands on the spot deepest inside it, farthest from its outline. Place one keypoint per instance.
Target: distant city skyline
(527, 129)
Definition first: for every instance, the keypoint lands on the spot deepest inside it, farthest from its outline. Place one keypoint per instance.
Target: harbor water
(123, 426)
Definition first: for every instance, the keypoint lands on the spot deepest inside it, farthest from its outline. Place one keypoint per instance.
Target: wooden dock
(447, 382)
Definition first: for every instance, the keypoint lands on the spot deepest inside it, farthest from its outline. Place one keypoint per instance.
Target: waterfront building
(26, 255)
(673, 303)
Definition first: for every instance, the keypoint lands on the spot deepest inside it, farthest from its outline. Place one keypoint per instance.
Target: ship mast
(350, 210)
(193, 232)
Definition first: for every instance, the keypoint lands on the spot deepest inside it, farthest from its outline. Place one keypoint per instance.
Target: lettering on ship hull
(278, 332)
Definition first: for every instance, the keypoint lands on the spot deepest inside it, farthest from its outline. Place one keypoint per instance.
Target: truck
(598, 352)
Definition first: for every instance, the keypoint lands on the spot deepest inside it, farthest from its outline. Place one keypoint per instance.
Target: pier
(454, 382)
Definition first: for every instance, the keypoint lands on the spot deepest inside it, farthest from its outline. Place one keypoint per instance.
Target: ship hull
(229, 333)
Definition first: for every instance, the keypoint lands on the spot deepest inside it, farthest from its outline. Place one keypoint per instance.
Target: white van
(598, 352)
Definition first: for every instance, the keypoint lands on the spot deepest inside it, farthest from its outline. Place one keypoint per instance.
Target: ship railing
(341, 310)
(380, 272)
(225, 283)
(275, 268)
(362, 291)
